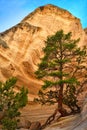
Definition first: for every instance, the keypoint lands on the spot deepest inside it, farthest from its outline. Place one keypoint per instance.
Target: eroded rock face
(73, 122)
(26, 40)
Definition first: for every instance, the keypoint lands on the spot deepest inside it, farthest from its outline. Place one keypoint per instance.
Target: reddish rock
(35, 126)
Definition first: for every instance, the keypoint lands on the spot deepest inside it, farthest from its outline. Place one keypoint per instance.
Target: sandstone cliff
(21, 46)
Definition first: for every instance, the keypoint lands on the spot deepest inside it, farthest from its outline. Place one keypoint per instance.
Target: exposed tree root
(52, 118)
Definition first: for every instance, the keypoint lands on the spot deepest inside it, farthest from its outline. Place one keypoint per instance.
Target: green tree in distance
(10, 103)
(63, 70)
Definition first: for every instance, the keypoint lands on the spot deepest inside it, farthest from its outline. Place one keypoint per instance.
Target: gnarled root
(50, 119)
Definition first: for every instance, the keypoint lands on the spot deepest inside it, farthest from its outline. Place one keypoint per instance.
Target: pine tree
(63, 70)
(10, 103)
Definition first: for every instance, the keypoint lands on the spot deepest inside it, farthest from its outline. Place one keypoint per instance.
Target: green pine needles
(63, 70)
(10, 103)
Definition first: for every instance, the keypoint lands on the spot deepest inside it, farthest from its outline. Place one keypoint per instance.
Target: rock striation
(21, 46)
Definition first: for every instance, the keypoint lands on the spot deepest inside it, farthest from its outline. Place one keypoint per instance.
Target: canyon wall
(21, 46)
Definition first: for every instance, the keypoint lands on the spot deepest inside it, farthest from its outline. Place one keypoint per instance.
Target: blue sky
(13, 11)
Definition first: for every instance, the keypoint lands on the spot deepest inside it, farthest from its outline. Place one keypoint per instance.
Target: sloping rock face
(24, 43)
(73, 122)
(85, 30)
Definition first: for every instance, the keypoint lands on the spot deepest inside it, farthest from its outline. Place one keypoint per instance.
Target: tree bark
(61, 110)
